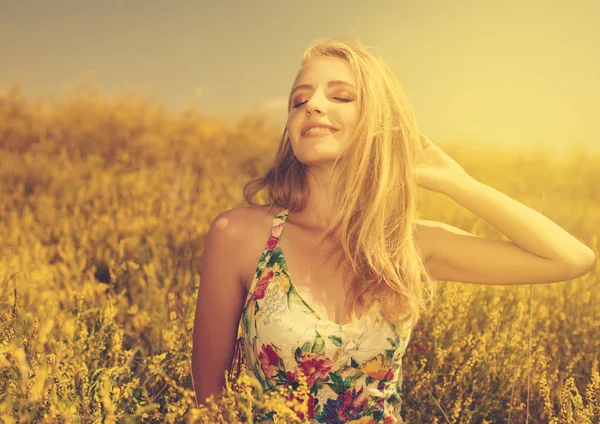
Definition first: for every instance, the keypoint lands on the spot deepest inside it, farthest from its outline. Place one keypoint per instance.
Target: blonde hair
(373, 190)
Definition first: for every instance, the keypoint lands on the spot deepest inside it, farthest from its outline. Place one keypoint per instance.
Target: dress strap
(277, 225)
(274, 234)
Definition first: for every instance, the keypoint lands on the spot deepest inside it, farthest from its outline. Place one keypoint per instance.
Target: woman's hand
(438, 172)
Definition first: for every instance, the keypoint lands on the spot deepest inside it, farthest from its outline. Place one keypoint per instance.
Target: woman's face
(324, 92)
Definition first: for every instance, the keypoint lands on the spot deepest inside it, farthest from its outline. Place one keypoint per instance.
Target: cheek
(351, 123)
(293, 122)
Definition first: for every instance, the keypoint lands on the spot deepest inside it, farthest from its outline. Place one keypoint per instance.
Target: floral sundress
(353, 370)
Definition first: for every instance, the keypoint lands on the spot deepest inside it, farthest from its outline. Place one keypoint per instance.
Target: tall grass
(104, 206)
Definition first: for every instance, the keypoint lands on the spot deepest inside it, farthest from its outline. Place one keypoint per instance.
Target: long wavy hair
(373, 188)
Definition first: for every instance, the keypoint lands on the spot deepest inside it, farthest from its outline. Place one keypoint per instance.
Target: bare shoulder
(245, 217)
(248, 219)
(247, 231)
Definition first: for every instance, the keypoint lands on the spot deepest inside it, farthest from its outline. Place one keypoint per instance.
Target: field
(104, 206)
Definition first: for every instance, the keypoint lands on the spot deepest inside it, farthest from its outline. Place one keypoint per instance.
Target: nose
(314, 104)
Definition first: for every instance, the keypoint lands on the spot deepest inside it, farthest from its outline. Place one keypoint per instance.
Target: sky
(508, 72)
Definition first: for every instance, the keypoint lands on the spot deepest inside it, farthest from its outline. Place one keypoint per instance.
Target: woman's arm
(540, 251)
(218, 307)
(527, 228)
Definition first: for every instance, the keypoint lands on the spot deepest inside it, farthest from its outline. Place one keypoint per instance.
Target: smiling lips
(316, 127)
(318, 132)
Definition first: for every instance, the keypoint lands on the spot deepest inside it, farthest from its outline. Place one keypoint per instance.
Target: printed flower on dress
(272, 242)
(377, 369)
(314, 366)
(347, 407)
(269, 360)
(261, 286)
(292, 377)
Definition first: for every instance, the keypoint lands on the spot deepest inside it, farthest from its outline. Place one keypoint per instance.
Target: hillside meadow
(105, 204)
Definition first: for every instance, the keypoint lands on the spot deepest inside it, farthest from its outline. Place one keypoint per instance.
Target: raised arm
(539, 250)
(219, 305)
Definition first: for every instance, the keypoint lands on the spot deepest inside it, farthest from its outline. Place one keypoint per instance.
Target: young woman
(358, 269)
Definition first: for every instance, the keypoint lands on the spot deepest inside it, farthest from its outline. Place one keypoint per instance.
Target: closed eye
(336, 98)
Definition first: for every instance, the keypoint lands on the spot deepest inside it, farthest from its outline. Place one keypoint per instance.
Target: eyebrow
(329, 84)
